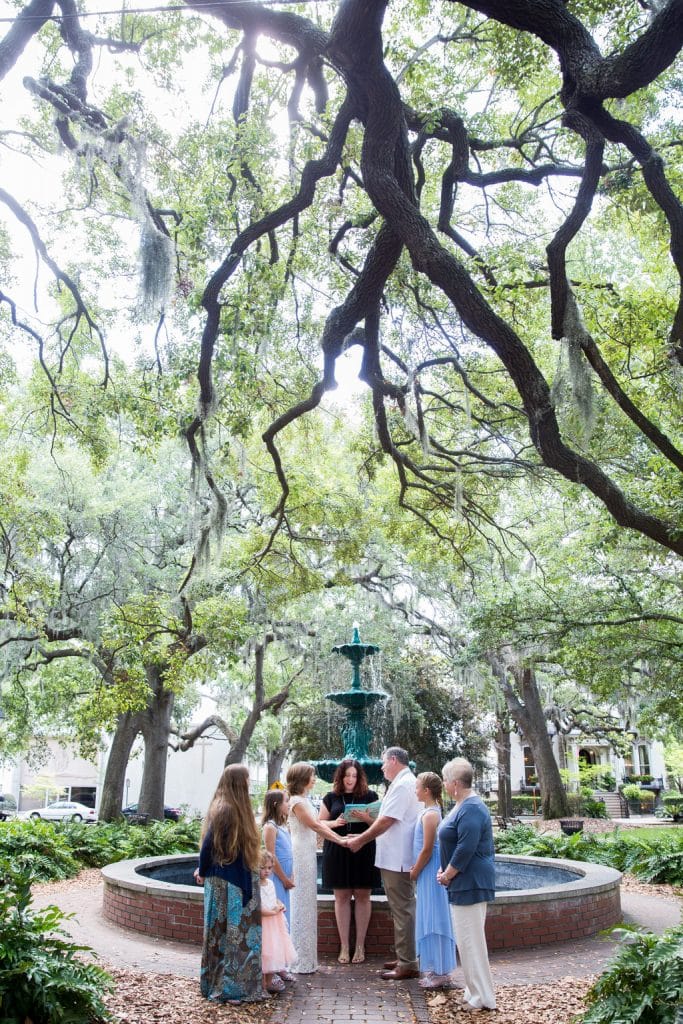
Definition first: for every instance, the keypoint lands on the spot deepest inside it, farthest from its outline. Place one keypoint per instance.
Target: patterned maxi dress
(433, 928)
(304, 902)
(231, 953)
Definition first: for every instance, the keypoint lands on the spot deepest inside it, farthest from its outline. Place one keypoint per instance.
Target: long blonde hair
(231, 819)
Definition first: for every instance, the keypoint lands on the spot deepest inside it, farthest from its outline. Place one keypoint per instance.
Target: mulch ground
(558, 1003)
(168, 999)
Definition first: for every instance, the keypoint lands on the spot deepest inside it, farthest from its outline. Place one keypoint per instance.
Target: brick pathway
(353, 994)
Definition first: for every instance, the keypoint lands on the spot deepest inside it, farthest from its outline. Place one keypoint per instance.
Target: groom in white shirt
(393, 834)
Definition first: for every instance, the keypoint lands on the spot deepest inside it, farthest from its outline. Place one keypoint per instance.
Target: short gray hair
(460, 769)
(399, 753)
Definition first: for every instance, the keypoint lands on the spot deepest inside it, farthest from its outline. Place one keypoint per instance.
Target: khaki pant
(400, 892)
(470, 938)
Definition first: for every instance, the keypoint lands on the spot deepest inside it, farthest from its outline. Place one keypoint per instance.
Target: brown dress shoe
(390, 964)
(400, 974)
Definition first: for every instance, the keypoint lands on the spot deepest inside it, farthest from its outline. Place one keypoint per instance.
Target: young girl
(278, 842)
(433, 929)
(277, 953)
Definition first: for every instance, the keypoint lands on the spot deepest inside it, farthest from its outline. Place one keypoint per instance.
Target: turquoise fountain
(356, 701)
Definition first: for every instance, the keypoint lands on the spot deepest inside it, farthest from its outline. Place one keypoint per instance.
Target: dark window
(644, 759)
(85, 795)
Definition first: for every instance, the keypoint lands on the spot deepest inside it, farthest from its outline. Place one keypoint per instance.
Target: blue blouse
(236, 872)
(466, 843)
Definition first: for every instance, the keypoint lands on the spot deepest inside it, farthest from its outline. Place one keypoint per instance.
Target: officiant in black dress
(351, 876)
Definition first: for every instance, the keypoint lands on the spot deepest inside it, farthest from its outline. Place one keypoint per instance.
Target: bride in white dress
(305, 828)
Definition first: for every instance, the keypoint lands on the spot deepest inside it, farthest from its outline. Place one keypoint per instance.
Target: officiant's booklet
(372, 809)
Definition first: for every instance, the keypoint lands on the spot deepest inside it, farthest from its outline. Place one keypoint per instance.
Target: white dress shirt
(394, 848)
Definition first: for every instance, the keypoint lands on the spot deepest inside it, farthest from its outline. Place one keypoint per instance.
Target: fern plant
(653, 859)
(39, 849)
(43, 978)
(643, 984)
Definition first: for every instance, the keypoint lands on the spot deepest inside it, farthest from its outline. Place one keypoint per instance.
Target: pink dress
(277, 953)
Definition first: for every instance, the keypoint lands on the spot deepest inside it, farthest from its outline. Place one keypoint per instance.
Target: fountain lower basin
(538, 901)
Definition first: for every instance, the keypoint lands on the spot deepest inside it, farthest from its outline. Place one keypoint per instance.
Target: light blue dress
(433, 928)
(283, 852)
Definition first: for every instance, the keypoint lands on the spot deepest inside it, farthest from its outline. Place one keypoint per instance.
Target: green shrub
(93, 846)
(673, 804)
(653, 859)
(524, 804)
(518, 839)
(643, 983)
(42, 976)
(632, 791)
(162, 837)
(39, 848)
(591, 808)
(53, 852)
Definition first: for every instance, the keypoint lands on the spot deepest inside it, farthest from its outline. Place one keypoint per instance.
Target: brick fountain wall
(515, 920)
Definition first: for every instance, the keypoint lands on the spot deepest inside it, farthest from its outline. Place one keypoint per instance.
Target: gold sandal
(358, 955)
(344, 957)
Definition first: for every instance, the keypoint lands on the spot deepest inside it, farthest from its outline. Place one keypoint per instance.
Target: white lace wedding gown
(304, 904)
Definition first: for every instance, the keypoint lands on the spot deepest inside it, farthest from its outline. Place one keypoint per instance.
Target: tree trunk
(128, 727)
(504, 765)
(156, 729)
(526, 711)
(275, 758)
(554, 803)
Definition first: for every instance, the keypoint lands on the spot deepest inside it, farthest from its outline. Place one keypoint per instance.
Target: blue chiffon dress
(283, 852)
(433, 928)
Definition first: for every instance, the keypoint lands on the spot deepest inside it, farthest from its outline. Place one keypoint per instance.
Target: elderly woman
(468, 872)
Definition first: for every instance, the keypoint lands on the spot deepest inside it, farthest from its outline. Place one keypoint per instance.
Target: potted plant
(633, 795)
(672, 803)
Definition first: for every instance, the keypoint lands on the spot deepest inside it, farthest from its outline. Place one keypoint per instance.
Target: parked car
(8, 806)
(62, 810)
(170, 813)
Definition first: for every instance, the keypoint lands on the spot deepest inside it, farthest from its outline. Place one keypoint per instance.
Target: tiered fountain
(356, 701)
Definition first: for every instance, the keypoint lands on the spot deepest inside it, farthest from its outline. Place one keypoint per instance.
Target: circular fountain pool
(538, 901)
